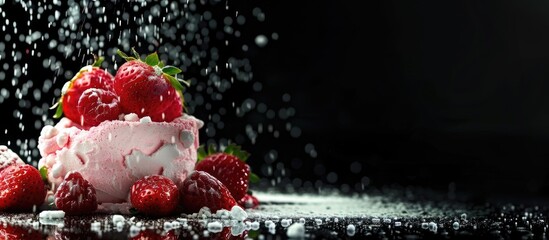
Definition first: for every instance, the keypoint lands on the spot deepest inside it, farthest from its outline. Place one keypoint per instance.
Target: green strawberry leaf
(152, 59)
(237, 151)
(201, 152)
(253, 234)
(161, 64)
(254, 178)
(59, 110)
(171, 70)
(212, 149)
(44, 173)
(231, 149)
(174, 82)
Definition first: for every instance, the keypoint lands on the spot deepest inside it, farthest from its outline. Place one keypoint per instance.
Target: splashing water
(44, 43)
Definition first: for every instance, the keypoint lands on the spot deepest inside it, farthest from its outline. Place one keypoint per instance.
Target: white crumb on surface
(95, 226)
(134, 230)
(132, 117)
(238, 213)
(146, 119)
(215, 227)
(238, 228)
(296, 230)
(52, 214)
(118, 218)
(285, 222)
(351, 230)
(254, 225)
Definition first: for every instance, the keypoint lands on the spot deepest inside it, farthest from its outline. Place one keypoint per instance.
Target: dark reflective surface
(387, 214)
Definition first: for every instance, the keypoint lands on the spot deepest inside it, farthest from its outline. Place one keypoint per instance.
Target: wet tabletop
(384, 215)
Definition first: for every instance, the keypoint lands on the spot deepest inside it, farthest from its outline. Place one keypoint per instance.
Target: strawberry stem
(136, 54)
(124, 56)
(98, 61)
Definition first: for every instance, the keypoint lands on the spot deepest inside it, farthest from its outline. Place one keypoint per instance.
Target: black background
(439, 94)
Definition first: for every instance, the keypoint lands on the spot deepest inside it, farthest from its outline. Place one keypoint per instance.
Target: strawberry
(154, 195)
(248, 201)
(97, 105)
(228, 166)
(75, 195)
(91, 76)
(173, 111)
(13, 232)
(200, 189)
(21, 188)
(148, 88)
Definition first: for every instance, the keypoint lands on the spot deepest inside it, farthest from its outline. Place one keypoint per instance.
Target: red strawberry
(174, 111)
(97, 105)
(75, 195)
(147, 88)
(248, 201)
(200, 189)
(228, 166)
(155, 195)
(17, 232)
(90, 76)
(21, 188)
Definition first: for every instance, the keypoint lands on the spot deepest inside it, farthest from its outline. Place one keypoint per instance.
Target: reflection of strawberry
(74, 233)
(91, 76)
(248, 201)
(155, 195)
(200, 189)
(97, 105)
(75, 195)
(148, 88)
(225, 234)
(228, 166)
(17, 232)
(21, 188)
(150, 234)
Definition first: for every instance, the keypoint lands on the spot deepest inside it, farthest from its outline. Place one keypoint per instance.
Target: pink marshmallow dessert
(115, 154)
(118, 129)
